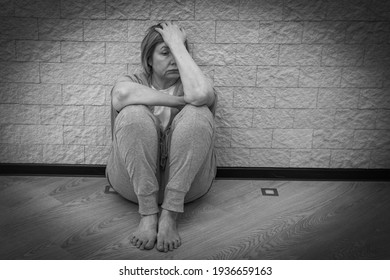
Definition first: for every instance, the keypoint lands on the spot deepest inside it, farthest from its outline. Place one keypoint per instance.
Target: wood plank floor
(72, 218)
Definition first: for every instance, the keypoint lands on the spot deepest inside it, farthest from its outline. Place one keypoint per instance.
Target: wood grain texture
(72, 218)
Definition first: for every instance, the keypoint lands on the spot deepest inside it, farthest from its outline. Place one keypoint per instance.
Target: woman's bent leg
(188, 169)
(132, 165)
(191, 165)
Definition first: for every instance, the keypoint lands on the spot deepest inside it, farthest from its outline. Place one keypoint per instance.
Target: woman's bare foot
(168, 237)
(146, 234)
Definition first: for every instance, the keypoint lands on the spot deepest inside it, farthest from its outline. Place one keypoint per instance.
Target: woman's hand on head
(172, 34)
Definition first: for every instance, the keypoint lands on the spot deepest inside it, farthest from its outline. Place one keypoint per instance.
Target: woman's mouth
(173, 70)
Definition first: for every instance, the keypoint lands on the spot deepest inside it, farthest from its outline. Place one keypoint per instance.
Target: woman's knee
(134, 114)
(134, 111)
(196, 116)
(191, 109)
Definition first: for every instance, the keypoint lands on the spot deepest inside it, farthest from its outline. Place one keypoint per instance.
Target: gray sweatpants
(149, 167)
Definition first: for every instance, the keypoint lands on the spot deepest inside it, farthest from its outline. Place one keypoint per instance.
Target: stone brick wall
(301, 83)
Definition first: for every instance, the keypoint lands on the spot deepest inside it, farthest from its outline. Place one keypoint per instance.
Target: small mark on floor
(269, 192)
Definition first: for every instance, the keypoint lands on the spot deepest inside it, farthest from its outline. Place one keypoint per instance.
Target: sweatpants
(151, 167)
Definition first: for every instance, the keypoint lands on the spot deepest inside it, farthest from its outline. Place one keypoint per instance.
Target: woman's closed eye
(165, 51)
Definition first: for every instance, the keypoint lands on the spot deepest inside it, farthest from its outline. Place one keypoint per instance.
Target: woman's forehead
(161, 45)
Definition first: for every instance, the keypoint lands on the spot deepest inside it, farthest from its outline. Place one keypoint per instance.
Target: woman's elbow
(119, 95)
(201, 97)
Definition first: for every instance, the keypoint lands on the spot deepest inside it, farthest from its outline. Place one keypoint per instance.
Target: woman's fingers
(170, 24)
(171, 32)
(166, 24)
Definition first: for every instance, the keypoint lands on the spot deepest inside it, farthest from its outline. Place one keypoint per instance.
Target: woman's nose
(173, 61)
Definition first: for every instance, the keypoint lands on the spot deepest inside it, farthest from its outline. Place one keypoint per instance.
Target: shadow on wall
(301, 83)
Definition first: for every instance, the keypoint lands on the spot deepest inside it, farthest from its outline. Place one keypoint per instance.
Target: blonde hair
(149, 43)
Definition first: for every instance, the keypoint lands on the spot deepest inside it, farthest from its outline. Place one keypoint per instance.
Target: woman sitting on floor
(163, 136)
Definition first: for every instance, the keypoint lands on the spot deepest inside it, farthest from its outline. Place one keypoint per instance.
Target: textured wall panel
(300, 83)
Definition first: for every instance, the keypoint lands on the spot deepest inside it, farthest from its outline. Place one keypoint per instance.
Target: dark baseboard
(339, 174)
(222, 172)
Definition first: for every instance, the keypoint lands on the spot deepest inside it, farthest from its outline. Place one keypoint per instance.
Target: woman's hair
(149, 43)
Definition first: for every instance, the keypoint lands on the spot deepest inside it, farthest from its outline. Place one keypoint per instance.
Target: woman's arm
(126, 92)
(198, 90)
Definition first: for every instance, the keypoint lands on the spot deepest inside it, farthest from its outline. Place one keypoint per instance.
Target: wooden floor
(72, 218)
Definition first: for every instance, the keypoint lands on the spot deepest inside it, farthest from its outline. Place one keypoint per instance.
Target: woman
(163, 135)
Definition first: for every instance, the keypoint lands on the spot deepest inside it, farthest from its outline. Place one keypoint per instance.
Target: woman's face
(163, 64)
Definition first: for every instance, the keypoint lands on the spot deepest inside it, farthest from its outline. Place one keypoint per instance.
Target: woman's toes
(166, 247)
(171, 245)
(160, 246)
(149, 245)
